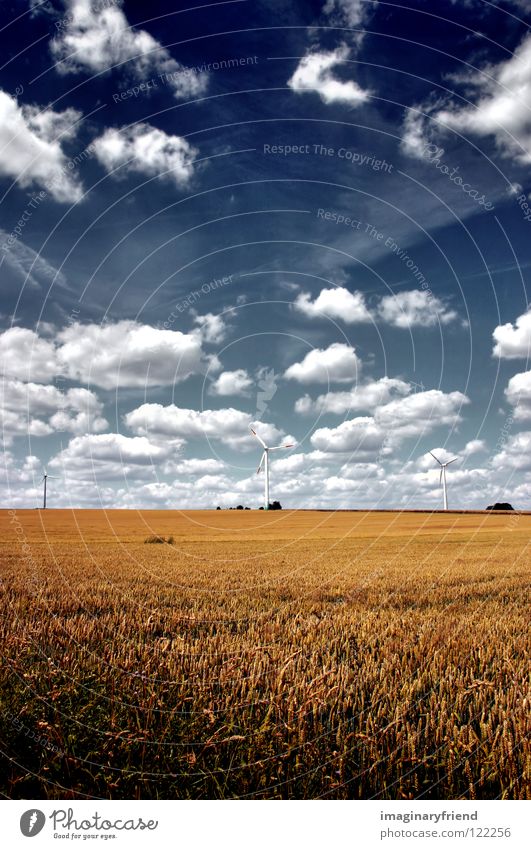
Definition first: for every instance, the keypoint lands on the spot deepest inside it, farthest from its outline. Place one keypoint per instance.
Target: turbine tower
(442, 478)
(45, 480)
(264, 463)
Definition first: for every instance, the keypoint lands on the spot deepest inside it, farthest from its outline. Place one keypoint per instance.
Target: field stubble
(288, 656)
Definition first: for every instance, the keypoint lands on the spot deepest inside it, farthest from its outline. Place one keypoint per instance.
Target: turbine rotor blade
(259, 438)
(435, 458)
(441, 475)
(259, 469)
(279, 447)
(451, 461)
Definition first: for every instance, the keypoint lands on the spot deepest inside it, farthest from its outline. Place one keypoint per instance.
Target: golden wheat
(286, 655)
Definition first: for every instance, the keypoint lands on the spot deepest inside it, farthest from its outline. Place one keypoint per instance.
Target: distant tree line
(274, 505)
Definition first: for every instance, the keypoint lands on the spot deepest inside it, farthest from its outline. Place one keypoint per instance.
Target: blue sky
(310, 216)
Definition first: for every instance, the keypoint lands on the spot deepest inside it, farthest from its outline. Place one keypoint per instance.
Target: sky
(312, 218)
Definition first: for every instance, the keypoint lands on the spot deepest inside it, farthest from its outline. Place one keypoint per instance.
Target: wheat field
(285, 655)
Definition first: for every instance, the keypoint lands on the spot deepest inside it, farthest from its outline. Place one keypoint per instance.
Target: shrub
(154, 538)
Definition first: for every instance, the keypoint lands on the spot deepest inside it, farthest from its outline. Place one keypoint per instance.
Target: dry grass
(286, 655)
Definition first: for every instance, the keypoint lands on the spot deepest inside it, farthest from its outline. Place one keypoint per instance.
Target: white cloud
(194, 466)
(421, 412)
(123, 353)
(336, 303)
(96, 39)
(361, 435)
(31, 151)
(475, 446)
(364, 397)
(501, 109)
(231, 383)
(110, 456)
(25, 356)
(14, 423)
(129, 354)
(414, 308)
(229, 426)
(313, 74)
(350, 13)
(210, 327)
(516, 453)
(39, 409)
(414, 415)
(518, 393)
(144, 149)
(414, 134)
(513, 342)
(337, 363)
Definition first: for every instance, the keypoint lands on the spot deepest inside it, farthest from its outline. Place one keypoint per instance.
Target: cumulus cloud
(229, 426)
(349, 12)
(144, 149)
(195, 466)
(516, 453)
(364, 397)
(421, 412)
(503, 105)
(231, 383)
(414, 134)
(500, 110)
(475, 446)
(38, 410)
(123, 353)
(513, 341)
(26, 356)
(210, 327)
(518, 393)
(129, 354)
(391, 423)
(361, 435)
(338, 363)
(336, 303)
(314, 74)
(95, 38)
(31, 149)
(414, 308)
(109, 456)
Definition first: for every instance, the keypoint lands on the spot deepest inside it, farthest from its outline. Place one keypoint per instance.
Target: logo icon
(32, 822)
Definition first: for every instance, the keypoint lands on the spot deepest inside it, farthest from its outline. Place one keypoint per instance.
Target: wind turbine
(442, 478)
(45, 480)
(264, 464)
